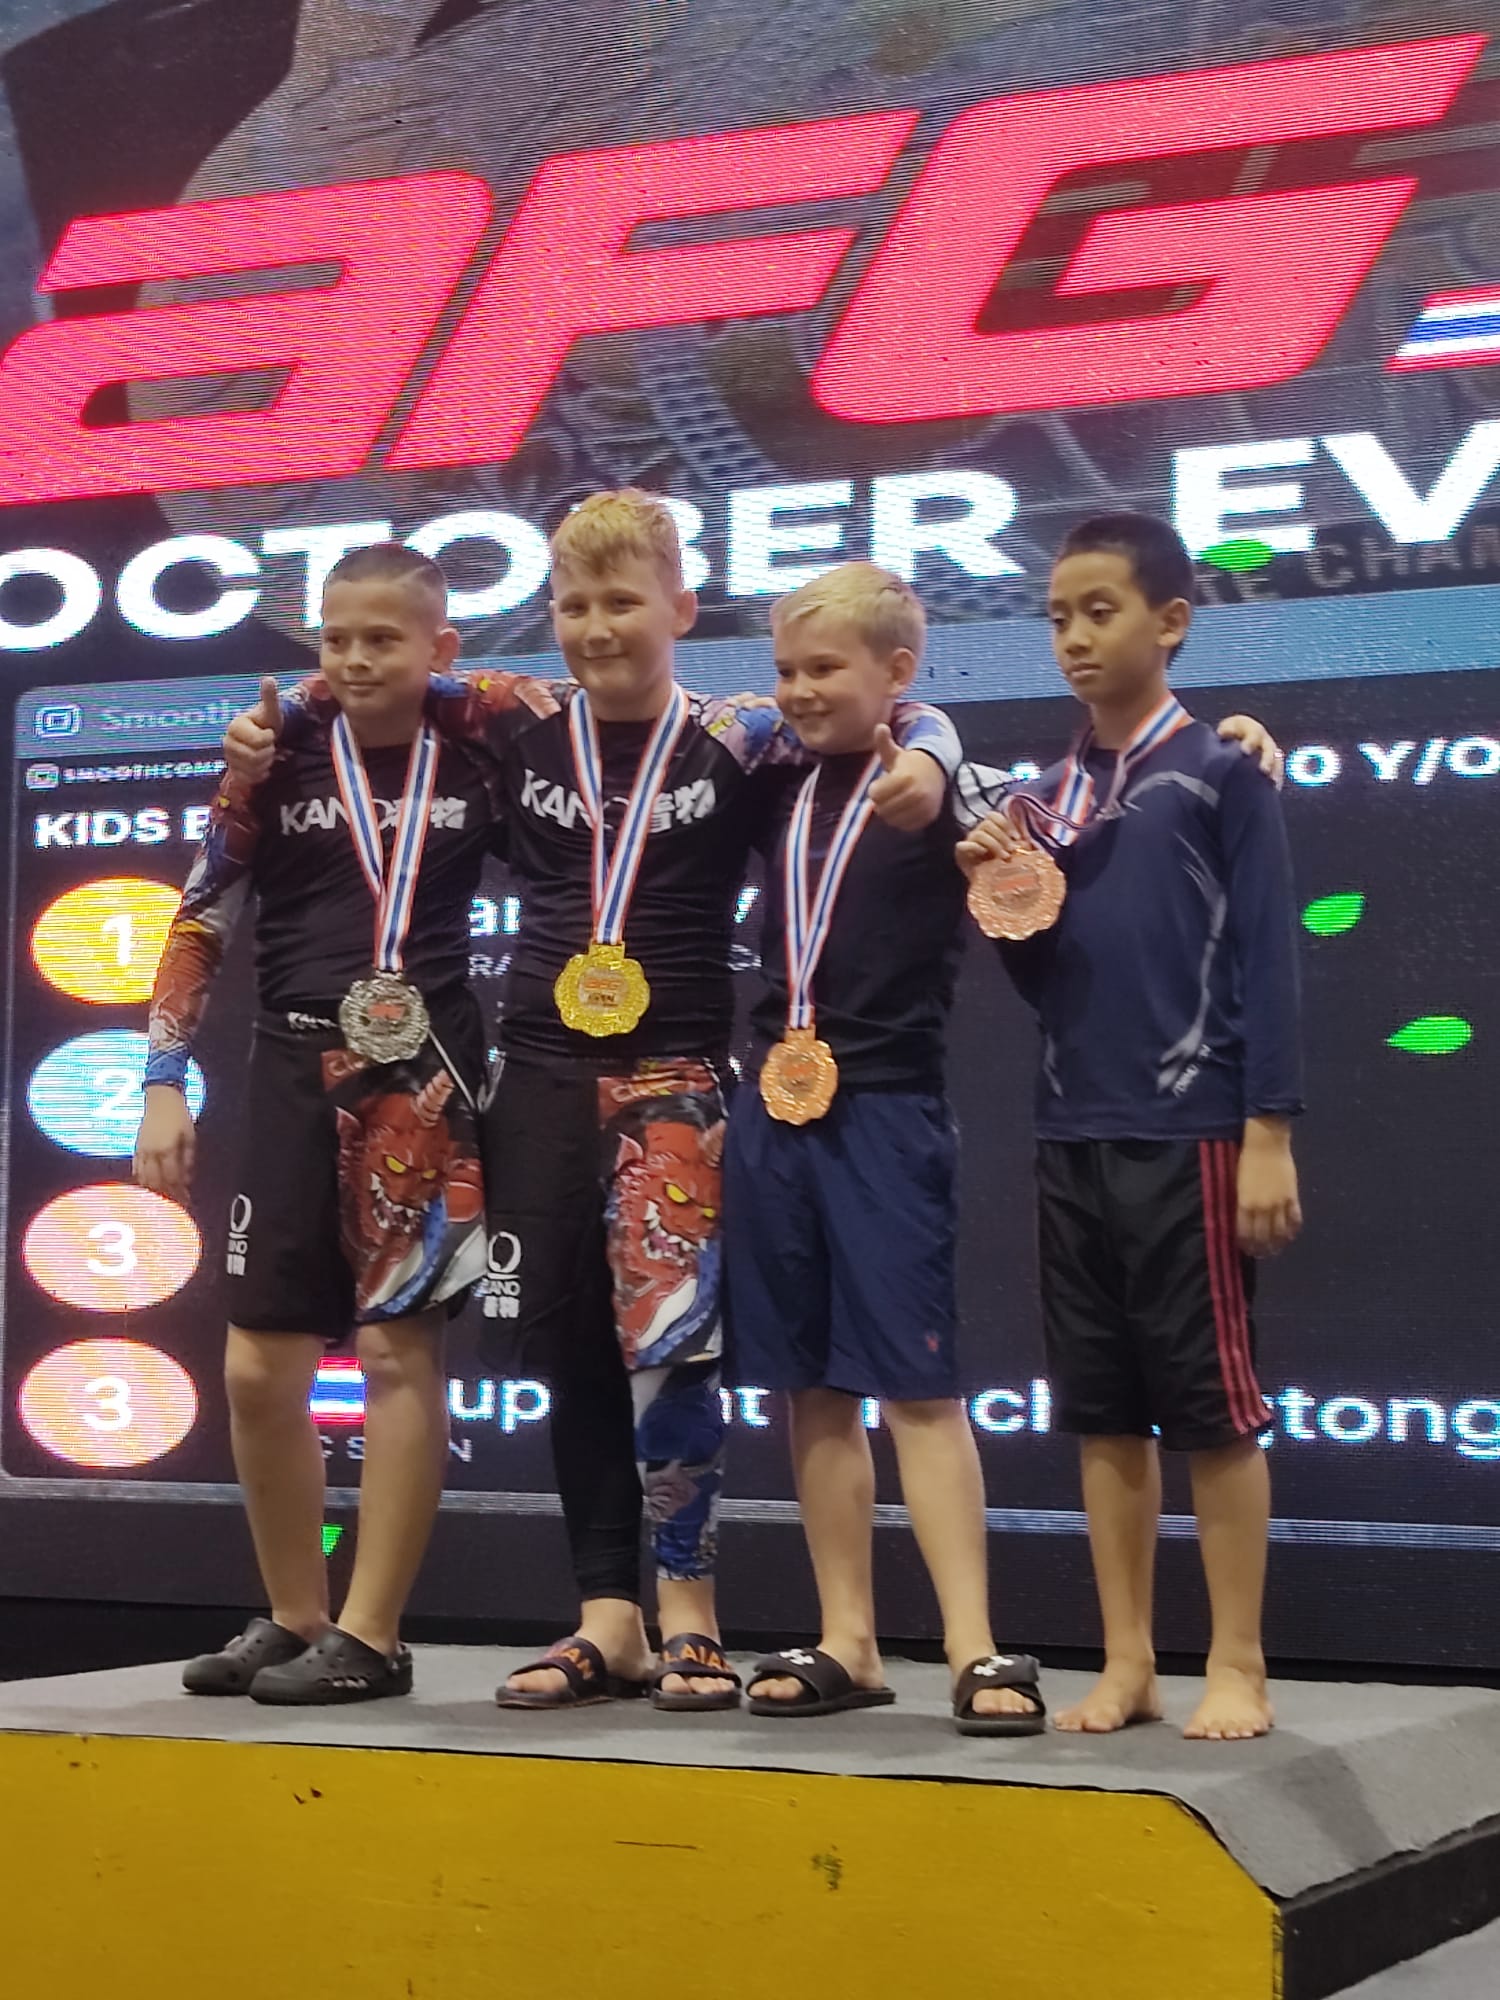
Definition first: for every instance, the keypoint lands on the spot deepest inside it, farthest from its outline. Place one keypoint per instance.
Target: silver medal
(383, 1018)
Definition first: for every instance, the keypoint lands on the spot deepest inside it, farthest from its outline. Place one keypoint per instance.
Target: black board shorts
(1145, 1295)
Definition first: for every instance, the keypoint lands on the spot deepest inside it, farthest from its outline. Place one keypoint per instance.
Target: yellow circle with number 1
(103, 940)
(108, 1403)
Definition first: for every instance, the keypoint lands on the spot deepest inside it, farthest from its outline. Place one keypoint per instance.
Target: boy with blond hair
(840, 1203)
(629, 806)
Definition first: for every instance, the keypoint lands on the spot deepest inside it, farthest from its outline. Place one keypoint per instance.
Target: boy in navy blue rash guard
(1166, 993)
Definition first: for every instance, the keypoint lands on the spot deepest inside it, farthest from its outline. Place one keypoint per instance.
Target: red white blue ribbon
(1060, 824)
(807, 929)
(614, 885)
(393, 884)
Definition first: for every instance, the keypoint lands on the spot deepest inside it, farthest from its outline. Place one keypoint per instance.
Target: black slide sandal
(697, 1658)
(825, 1684)
(1017, 1671)
(587, 1679)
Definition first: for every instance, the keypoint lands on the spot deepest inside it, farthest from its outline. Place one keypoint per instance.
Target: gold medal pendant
(799, 1077)
(602, 992)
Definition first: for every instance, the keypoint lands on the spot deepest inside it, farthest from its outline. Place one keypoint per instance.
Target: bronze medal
(799, 1077)
(1015, 899)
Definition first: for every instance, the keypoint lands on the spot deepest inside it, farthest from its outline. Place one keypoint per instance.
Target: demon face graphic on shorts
(662, 1218)
(407, 1190)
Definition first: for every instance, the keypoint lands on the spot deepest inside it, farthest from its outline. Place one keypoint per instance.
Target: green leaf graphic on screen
(1243, 552)
(1330, 916)
(1433, 1035)
(331, 1539)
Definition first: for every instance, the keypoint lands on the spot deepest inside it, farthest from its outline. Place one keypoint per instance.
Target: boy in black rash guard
(361, 1201)
(839, 1171)
(1167, 996)
(604, 1136)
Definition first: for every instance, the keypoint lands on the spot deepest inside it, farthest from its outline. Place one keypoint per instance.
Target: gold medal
(799, 1077)
(1015, 899)
(602, 992)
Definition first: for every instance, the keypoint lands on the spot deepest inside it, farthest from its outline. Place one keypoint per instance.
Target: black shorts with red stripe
(1145, 1296)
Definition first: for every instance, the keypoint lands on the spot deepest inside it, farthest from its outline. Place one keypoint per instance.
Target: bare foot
(1235, 1707)
(1124, 1693)
(861, 1661)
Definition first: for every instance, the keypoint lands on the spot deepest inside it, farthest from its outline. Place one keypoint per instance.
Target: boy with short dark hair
(360, 1202)
(1166, 991)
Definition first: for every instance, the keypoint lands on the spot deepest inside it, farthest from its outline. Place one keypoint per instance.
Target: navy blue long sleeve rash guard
(1167, 992)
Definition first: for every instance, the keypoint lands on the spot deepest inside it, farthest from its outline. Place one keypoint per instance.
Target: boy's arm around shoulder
(1261, 922)
(482, 705)
(753, 728)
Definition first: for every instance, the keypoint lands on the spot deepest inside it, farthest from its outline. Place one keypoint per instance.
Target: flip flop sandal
(1015, 1671)
(827, 1688)
(587, 1680)
(696, 1658)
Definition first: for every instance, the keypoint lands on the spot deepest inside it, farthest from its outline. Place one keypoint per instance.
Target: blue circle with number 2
(87, 1094)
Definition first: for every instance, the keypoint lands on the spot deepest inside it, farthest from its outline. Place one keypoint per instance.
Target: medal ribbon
(613, 887)
(1060, 824)
(807, 932)
(393, 885)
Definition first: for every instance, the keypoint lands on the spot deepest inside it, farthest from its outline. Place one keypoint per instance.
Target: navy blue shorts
(839, 1242)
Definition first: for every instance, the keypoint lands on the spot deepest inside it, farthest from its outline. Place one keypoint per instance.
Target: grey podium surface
(1352, 1776)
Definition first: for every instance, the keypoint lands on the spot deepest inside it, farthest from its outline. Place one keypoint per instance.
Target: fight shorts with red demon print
(604, 1201)
(361, 1196)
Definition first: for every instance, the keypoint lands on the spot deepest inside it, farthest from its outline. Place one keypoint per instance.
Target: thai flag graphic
(338, 1393)
(1453, 328)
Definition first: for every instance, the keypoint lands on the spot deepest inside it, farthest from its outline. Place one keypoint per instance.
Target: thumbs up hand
(267, 711)
(250, 740)
(909, 792)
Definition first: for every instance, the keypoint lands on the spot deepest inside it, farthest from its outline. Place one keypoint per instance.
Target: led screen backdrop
(840, 277)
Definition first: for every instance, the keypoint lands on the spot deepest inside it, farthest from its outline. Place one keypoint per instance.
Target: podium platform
(154, 1847)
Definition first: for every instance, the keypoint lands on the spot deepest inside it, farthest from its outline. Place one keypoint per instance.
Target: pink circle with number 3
(108, 1403)
(112, 1248)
